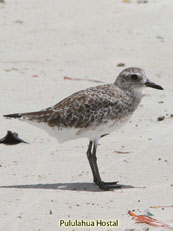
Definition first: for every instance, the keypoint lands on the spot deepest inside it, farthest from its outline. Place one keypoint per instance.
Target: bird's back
(87, 113)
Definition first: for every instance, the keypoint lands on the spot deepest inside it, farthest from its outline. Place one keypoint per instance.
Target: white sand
(82, 38)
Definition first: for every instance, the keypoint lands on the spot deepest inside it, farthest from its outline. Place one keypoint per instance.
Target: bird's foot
(110, 183)
(106, 186)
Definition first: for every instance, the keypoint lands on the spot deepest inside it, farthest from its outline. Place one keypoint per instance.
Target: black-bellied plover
(93, 113)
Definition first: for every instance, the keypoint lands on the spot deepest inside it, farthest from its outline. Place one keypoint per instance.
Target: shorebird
(93, 113)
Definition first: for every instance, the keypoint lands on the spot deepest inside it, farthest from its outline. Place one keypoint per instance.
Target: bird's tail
(40, 116)
(16, 115)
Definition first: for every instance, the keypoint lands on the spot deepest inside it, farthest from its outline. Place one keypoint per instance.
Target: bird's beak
(148, 83)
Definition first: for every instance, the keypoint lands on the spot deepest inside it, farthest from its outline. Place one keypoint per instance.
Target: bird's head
(134, 78)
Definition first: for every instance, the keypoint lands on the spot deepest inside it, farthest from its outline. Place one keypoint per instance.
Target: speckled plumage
(88, 107)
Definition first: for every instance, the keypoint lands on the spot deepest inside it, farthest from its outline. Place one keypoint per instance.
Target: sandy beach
(43, 182)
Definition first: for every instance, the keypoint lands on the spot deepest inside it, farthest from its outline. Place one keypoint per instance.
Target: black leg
(94, 157)
(97, 179)
(91, 154)
(90, 159)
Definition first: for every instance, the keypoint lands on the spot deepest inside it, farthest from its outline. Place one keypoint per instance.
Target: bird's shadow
(79, 186)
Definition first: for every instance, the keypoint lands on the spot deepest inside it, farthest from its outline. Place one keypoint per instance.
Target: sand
(43, 181)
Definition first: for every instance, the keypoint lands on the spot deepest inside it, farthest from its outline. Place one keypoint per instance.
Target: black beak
(148, 83)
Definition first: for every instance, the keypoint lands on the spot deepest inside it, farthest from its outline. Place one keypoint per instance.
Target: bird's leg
(97, 179)
(90, 159)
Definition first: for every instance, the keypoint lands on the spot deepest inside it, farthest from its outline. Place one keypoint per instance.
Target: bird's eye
(134, 77)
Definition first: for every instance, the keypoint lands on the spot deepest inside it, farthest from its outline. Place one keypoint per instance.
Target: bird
(93, 113)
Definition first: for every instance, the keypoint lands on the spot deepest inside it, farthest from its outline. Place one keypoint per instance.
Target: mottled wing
(82, 109)
(86, 108)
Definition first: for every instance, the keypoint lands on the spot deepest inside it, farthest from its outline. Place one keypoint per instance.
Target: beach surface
(44, 181)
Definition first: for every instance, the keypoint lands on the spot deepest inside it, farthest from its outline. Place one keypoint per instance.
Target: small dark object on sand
(11, 138)
(160, 118)
(121, 64)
